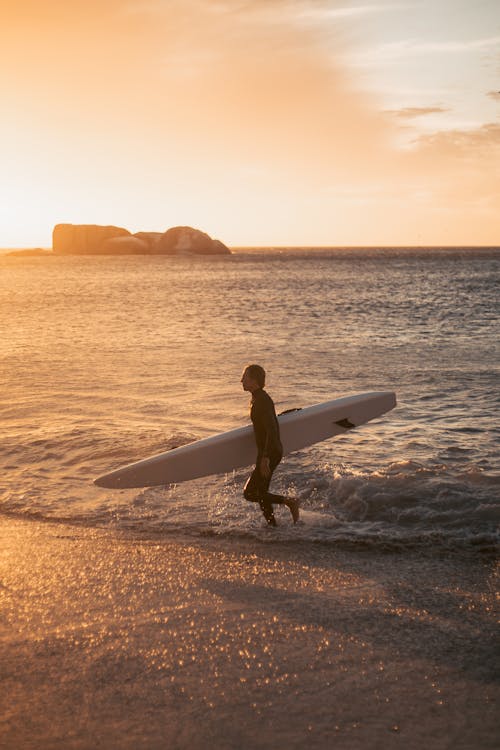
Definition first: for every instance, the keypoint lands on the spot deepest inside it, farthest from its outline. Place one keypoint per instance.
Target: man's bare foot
(293, 506)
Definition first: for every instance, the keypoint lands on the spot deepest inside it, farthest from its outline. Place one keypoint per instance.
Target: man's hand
(265, 469)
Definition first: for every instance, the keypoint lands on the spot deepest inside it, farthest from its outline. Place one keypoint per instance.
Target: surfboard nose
(108, 481)
(101, 482)
(126, 477)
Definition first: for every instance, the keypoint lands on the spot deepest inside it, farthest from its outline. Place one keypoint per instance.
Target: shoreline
(113, 640)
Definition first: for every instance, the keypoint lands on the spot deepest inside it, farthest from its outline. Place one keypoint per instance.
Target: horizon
(242, 248)
(276, 123)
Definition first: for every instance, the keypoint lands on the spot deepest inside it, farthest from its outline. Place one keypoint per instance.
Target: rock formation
(89, 239)
(151, 239)
(83, 239)
(125, 246)
(219, 248)
(185, 240)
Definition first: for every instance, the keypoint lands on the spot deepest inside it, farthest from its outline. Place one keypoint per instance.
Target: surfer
(269, 449)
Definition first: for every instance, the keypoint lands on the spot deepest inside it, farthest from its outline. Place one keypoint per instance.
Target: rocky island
(90, 239)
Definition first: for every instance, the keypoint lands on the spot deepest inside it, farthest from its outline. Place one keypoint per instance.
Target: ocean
(106, 360)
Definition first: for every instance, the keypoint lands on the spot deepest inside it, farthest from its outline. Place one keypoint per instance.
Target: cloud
(406, 48)
(308, 13)
(349, 12)
(407, 113)
(467, 144)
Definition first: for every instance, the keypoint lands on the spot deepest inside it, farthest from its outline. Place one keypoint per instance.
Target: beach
(124, 639)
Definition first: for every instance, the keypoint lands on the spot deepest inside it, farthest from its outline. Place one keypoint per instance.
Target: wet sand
(112, 640)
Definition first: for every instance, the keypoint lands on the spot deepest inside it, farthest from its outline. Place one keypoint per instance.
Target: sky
(261, 122)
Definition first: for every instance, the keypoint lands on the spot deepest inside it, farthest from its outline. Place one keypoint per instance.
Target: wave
(405, 503)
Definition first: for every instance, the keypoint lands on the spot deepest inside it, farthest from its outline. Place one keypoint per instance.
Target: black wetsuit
(267, 437)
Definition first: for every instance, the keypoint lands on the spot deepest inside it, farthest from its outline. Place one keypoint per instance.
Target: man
(269, 449)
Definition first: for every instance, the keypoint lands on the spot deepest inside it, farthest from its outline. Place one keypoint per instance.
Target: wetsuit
(267, 437)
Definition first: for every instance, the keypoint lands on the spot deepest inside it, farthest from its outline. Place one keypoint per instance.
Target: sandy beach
(111, 640)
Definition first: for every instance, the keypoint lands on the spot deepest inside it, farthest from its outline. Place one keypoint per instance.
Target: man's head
(253, 378)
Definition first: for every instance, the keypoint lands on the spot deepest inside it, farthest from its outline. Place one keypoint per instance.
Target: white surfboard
(231, 450)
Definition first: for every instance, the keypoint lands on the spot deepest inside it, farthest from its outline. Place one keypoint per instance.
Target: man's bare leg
(291, 503)
(293, 506)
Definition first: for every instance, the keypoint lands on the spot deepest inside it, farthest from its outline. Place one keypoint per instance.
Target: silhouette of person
(269, 449)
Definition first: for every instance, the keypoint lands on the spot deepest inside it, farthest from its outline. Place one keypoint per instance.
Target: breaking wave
(404, 503)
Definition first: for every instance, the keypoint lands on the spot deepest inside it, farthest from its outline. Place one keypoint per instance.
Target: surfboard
(234, 449)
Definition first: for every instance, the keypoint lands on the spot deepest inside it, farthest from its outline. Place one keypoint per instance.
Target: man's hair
(258, 374)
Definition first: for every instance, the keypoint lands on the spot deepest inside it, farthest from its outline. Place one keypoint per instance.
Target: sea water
(106, 360)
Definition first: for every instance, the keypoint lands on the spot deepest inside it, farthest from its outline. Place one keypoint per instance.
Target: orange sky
(266, 122)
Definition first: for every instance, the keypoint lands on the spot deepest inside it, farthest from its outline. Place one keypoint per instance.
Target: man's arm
(272, 442)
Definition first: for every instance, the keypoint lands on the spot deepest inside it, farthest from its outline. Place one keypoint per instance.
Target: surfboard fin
(345, 423)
